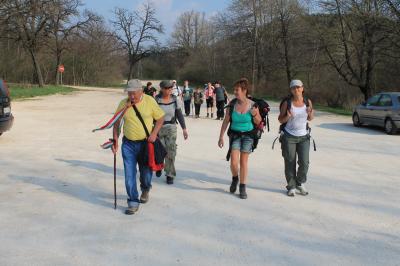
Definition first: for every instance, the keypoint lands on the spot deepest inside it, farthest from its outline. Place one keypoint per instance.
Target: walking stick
(115, 181)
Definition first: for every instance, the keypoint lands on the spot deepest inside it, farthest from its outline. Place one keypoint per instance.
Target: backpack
(174, 99)
(288, 100)
(257, 131)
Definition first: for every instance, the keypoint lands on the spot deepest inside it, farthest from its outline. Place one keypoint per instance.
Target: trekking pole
(115, 180)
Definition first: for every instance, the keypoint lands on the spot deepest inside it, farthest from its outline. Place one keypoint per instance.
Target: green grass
(18, 91)
(337, 111)
(318, 107)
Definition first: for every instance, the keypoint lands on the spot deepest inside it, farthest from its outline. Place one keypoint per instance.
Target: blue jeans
(243, 143)
(130, 152)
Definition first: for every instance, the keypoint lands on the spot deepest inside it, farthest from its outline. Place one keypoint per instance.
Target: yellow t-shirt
(149, 110)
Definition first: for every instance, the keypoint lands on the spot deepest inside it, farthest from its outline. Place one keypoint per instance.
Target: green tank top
(242, 122)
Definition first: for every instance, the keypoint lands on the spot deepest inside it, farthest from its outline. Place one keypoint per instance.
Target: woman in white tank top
(295, 113)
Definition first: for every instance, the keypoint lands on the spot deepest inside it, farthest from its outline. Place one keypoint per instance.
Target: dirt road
(56, 196)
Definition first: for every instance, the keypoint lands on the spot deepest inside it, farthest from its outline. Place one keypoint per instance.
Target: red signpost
(61, 70)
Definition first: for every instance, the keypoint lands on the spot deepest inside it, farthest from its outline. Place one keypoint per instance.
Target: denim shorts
(243, 143)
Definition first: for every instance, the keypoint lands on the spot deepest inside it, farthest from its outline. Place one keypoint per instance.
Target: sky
(167, 10)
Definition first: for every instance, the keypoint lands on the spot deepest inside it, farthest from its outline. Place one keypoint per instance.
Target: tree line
(343, 50)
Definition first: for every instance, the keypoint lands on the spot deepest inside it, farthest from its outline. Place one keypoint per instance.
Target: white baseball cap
(134, 85)
(296, 83)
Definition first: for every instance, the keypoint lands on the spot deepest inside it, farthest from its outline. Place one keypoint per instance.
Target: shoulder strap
(141, 120)
(306, 102)
(289, 103)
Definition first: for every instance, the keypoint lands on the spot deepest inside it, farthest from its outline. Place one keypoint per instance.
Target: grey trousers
(293, 147)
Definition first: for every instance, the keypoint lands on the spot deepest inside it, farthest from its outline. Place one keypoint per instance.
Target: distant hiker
(168, 133)
(150, 90)
(176, 90)
(221, 98)
(242, 118)
(198, 101)
(295, 112)
(187, 94)
(210, 95)
(135, 139)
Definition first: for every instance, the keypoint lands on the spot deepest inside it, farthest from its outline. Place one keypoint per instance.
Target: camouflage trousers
(167, 136)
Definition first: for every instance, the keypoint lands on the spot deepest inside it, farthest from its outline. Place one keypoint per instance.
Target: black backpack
(174, 101)
(258, 130)
(288, 100)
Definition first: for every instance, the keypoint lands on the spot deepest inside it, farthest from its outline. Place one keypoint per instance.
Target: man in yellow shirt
(135, 138)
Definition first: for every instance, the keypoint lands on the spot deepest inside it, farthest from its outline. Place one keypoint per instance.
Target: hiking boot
(302, 190)
(131, 210)
(212, 115)
(242, 191)
(235, 181)
(208, 114)
(144, 197)
(158, 173)
(170, 180)
(291, 192)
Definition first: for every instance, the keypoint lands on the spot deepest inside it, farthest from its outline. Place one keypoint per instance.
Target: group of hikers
(152, 116)
(214, 94)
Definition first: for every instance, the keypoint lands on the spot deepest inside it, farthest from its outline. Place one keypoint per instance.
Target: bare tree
(27, 22)
(65, 20)
(137, 32)
(190, 32)
(356, 45)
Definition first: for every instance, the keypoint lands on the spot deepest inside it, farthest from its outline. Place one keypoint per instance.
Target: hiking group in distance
(150, 131)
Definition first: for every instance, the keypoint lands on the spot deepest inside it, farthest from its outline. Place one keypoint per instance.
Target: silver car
(382, 109)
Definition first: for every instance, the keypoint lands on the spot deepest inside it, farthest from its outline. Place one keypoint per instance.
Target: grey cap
(166, 84)
(134, 85)
(296, 83)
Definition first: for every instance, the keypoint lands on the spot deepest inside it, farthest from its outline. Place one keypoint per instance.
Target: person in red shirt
(210, 95)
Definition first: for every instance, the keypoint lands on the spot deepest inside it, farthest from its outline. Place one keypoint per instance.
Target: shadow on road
(77, 191)
(349, 128)
(182, 176)
(93, 166)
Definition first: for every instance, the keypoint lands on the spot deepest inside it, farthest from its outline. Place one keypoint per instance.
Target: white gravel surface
(56, 196)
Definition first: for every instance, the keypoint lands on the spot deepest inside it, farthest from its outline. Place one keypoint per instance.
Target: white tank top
(297, 124)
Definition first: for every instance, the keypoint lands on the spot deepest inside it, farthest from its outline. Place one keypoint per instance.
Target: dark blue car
(382, 109)
(6, 118)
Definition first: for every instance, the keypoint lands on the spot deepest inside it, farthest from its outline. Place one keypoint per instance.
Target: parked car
(6, 118)
(382, 109)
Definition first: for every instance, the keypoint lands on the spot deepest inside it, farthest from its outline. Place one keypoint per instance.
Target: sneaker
(235, 181)
(170, 180)
(158, 173)
(302, 190)
(144, 197)
(291, 192)
(131, 210)
(242, 191)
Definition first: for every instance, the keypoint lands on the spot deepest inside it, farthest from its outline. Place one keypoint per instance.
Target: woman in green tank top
(244, 116)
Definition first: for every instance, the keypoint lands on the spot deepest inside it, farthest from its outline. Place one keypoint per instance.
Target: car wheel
(390, 128)
(356, 120)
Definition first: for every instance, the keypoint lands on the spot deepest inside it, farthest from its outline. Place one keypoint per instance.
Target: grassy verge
(18, 91)
(318, 107)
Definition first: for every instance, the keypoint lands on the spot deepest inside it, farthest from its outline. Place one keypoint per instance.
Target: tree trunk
(57, 74)
(36, 65)
(131, 69)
